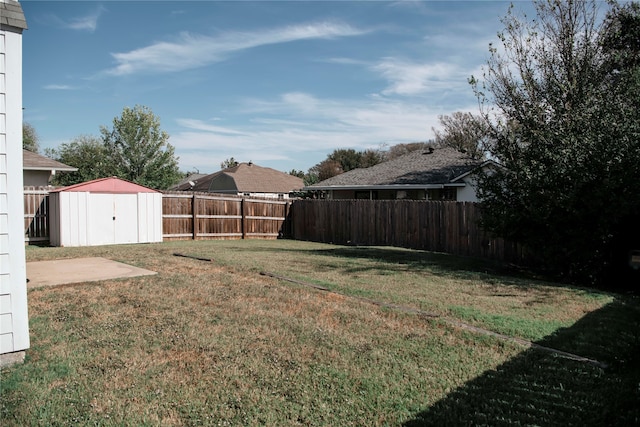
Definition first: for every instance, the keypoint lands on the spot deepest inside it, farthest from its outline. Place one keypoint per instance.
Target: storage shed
(105, 211)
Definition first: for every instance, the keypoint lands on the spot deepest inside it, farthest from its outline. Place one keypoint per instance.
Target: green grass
(218, 344)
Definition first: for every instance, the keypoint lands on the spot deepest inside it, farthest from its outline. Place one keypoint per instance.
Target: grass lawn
(217, 343)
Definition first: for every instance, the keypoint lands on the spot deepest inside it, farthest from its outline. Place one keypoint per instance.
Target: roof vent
(430, 151)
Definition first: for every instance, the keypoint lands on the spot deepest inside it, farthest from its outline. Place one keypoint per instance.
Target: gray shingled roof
(11, 15)
(185, 185)
(422, 167)
(249, 178)
(36, 162)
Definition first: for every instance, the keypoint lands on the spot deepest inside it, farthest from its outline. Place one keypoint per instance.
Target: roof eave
(36, 168)
(385, 187)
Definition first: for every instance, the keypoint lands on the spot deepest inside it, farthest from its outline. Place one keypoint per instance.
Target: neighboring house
(248, 179)
(188, 183)
(431, 174)
(14, 319)
(38, 170)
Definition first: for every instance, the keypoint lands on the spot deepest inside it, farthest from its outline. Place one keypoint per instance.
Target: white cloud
(58, 87)
(199, 125)
(85, 23)
(280, 130)
(409, 78)
(190, 51)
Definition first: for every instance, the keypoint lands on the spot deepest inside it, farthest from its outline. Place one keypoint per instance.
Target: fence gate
(36, 211)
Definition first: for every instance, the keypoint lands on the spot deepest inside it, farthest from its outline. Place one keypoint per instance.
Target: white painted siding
(468, 192)
(14, 324)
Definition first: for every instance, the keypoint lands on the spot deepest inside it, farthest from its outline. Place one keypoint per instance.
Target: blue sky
(282, 84)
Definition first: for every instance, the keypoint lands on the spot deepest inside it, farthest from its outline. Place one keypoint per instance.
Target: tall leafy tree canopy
(30, 139)
(343, 160)
(138, 149)
(560, 99)
(465, 132)
(228, 163)
(135, 149)
(88, 154)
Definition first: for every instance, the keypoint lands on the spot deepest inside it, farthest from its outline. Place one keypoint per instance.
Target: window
(373, 195)
(442, 194)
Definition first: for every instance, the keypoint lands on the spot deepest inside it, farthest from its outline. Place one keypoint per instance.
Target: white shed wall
(14, 320)
(87, 219)
(149, 217)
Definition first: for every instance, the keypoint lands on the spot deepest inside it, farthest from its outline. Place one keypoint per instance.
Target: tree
(402, 149)
(370, 158)
(326, 169)
(30, 139)
(297, 173)
(570, 151)
(139, 150)
(463, 131)
(343, 160)
(228, 163)
(88, 154)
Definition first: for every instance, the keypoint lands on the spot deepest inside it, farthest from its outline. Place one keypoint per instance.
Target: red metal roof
(107, 185)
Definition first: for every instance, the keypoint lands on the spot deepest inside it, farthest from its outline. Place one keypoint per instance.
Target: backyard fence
(36, 214)
(201, 216)
(450, 227)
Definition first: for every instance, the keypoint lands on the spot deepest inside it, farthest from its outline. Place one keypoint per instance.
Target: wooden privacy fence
(201, 216)
(450, 227)
(36, 214)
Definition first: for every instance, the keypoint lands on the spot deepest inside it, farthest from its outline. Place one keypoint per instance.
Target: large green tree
(564, 122)
(139, 149)
(343, 160)
(88, 154)
(30, 138)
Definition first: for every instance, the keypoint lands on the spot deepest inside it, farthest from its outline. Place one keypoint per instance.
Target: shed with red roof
(106, 211)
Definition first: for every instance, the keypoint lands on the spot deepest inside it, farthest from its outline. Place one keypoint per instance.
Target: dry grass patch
(206, 343)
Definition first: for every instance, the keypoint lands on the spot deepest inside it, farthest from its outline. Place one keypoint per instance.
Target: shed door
(114, 219)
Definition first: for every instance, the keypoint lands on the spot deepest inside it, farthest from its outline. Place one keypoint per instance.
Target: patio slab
(64, 271)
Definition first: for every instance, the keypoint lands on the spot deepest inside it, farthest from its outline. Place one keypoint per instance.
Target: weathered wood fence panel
(200, 216)
(36, 214)
(450, 227)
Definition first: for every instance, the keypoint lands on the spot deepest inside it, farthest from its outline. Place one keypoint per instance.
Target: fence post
(194, 224)
(243, 210)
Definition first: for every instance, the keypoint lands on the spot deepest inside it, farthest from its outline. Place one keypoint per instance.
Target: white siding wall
(468, 192)
(14, 323)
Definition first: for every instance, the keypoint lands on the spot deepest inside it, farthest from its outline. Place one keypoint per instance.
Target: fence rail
(450, 227)
(200, 216)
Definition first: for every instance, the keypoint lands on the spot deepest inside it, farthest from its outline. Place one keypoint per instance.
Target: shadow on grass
(399, 259)
(539, 388)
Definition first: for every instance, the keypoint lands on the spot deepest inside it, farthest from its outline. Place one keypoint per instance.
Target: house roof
(35, 162)
(249, 178)
(11, 15)
(107, 185)
(421, 168)
(186, 183)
